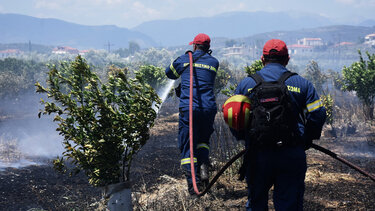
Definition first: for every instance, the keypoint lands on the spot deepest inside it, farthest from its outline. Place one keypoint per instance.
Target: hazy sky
(129, 13)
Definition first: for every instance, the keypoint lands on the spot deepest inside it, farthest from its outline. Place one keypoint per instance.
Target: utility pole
(29, 46)
(339, 47)
(109, 46)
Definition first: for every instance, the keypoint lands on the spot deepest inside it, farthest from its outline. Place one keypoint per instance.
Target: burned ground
(158, 183)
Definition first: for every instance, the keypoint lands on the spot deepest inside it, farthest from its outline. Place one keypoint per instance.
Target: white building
(370, 39)
(310, 42)
(298, 49)
(65, 50)
(236, 50)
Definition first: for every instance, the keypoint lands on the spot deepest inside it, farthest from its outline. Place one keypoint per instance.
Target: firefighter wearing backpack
(204, 107)
(284, 121)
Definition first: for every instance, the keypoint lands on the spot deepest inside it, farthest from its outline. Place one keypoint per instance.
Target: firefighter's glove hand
(177, 90)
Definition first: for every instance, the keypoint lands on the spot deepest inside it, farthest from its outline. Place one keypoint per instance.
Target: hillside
(231, 25)
(22, 29)
(329, 34)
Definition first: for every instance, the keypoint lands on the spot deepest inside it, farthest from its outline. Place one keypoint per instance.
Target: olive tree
(103, 124)
(360, 77)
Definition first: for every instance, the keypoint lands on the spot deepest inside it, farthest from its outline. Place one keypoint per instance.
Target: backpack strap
(257, 78)
(285, 76)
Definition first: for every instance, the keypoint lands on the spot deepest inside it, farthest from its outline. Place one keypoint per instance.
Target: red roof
(66, 49)
(10, 51)
(343, 43)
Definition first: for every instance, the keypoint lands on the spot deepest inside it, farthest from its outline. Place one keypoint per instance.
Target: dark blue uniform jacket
(303, 95)
(205, 68)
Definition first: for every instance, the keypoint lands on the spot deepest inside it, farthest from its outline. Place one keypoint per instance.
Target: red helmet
(237, 112)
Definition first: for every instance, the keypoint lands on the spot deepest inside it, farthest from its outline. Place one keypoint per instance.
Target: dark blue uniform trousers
(203, 120)
(283, 167)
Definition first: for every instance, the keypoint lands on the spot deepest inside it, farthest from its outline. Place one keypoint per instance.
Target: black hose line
(335, 156)
(317, 147)
(219, 173)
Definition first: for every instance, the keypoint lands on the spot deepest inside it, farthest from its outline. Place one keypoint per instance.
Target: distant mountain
(231, 25)
(22, 29)
(368, 22)
(329, 34)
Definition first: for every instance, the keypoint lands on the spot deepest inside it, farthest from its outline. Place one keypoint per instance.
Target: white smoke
(24, 138)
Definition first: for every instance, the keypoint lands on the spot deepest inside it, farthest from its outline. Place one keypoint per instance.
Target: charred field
(158, 183)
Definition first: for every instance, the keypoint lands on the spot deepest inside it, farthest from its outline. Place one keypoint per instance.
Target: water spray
(166, 90)
(164, 94)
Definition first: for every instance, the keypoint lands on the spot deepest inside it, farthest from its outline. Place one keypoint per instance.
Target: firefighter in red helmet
(286, 115)
(204, 107)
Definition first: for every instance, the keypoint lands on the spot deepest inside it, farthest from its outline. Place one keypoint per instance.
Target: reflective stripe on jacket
(205, 68)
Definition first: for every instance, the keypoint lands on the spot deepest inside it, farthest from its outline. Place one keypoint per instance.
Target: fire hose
(192, 167)
(238, 155)
(335, 156)
(317, 147)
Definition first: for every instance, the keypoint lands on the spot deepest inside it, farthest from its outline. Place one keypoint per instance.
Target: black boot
(190, 183)
(204, 174)
(191, 189)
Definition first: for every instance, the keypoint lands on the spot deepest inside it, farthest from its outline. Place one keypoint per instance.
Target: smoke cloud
(24, 138)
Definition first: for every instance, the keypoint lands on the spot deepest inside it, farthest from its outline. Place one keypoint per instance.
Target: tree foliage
(222, 77)
(134, 47)
(314, 74)
(103, 124)
(328, 104)
(336, 78)
(360, 77)
(155, 76)
(18, 76)
(153, 56)
(254, 67)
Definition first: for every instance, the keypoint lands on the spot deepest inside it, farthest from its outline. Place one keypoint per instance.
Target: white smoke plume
(24, 138)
